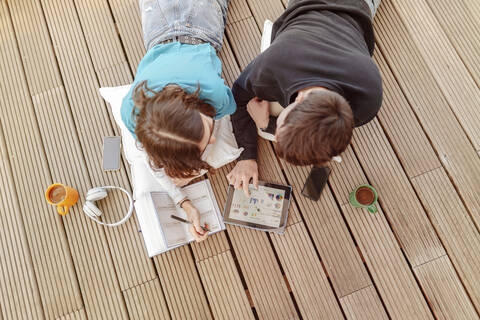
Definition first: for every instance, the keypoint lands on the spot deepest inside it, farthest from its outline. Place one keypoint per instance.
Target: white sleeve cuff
(174, 191)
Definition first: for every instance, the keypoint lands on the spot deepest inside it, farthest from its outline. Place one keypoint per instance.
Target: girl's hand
(259, 110)
(193, 215)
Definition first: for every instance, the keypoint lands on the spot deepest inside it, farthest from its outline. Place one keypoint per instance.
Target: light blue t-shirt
(187, 66)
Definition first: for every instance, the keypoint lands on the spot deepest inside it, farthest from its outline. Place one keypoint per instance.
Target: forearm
(244, 127)
(168, 185)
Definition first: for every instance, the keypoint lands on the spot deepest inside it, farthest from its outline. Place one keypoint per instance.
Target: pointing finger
(245, 184)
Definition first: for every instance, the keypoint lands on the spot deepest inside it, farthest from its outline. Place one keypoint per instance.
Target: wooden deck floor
(418, 258)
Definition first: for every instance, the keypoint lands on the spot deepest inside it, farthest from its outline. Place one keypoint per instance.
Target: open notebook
(162, 233)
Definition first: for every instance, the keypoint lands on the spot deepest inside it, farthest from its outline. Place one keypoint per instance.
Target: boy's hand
(193, 215)
(259, 110)
(240, 176)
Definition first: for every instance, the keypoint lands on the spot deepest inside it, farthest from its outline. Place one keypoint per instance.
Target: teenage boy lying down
(319, 69)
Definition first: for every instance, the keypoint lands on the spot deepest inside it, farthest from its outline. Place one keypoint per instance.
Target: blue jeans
(166, 19)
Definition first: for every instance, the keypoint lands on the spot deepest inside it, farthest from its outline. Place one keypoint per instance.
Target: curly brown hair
(169, 127)
(316, 129)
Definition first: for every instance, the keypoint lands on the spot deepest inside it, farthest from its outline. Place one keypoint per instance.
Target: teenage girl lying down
(178, 93)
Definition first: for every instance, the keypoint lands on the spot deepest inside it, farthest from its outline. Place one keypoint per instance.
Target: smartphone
(111, 153)
(316, 181)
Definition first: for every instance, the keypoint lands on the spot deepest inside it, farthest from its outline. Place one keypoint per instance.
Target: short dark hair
(317, 129)
(169, 127)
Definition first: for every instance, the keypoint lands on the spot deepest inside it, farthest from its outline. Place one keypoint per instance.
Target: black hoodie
(326, 43)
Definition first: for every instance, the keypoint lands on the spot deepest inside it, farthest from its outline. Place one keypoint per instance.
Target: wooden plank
(214, 245)
(77, 315)
(391, 274)
(19, 293)
(458, 87)
(303, 269)
(430, 106)
(330, 235)
(401, 126)
(241, 33)
(146, 301)
(92, 121)
(105, 50)
(414, 230)
(385, 261)
(28, 29)
(45, 233)
(454, 226)
(447, 297)
(219, 275)
(181, 284)
(363, 304)
(100, 35)
(96, 273)
(265, 9)
(91, 255)
(257, 261)
(454, 239)
(238, 10)
(262, 274)
(460, 25)
(473, 8)
(105, 288)
(230, 69)
(396, 195)
(116, 75)
(126, 15)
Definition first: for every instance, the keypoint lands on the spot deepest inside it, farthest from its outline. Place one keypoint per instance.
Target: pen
(187, 222)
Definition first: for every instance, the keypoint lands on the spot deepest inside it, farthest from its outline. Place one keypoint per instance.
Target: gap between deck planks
(92, 121)
(61, 100)
(48, 263)
(142, 301)
(52, 105)
(461, 240)
(448, 138)
(389, 269)
(450, 73)
(395, 108)
(382, 175)
(460, 21)
(77, 315)
(453, 147)
(18, 284)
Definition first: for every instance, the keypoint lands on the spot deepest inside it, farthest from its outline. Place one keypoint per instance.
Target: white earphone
(98, 193)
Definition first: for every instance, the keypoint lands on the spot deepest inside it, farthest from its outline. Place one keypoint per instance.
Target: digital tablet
(266, 209)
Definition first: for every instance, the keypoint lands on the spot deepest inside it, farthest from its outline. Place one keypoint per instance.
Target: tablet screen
(264, 207)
